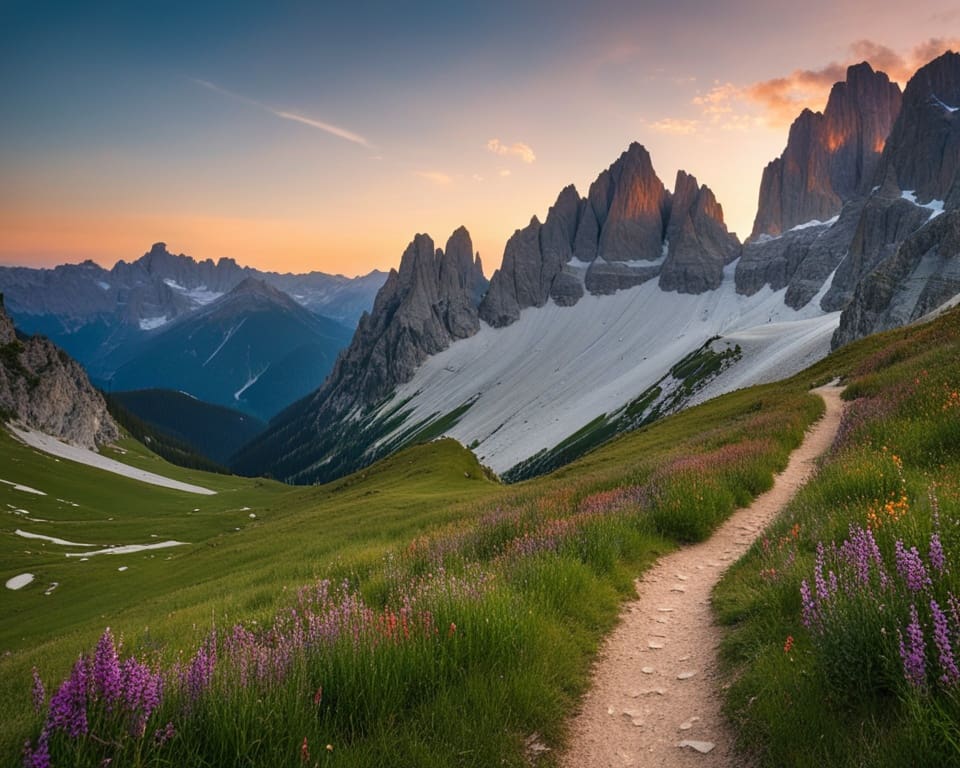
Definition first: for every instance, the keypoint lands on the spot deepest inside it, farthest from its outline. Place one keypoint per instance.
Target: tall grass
(462, 646)
(845, 620)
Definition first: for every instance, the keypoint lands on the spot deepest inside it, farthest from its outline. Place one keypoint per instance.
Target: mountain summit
(830, 156)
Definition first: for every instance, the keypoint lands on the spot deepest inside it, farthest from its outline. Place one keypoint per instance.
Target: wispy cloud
(333, 130)
(504, 172)
(435, 177)
(519, 149)
(676, 126)
(782, 98)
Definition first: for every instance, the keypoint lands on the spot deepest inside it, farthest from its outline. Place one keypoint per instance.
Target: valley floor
(656, 683)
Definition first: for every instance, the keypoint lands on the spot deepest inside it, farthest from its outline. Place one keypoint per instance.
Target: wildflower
(68, 706)
(911, 568)
(788, 645)
(941, 637)
(39, 757)
(106, 670)
(453, 630)
(39, 692)
(810, 612)
(304, 752)
(937, 558)
(162, 736)
(912, 652)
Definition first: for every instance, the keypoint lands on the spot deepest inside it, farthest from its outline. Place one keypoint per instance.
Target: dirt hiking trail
(656, 682)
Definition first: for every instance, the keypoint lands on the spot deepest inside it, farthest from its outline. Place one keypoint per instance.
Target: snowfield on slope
(542, 378)
(55, 447)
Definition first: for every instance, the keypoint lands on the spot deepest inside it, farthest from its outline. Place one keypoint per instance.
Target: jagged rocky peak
(831, 156)
(923, 151)
(428, 302)
(697, 244)
(614, 239)
(44, 389)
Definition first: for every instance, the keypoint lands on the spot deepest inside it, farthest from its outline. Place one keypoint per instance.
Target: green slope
(542, 567)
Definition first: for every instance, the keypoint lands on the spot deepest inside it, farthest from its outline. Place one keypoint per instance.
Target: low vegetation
(420, 613)
(845, 618)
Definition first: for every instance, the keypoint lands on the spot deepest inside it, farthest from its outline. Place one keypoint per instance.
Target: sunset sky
(322, 136)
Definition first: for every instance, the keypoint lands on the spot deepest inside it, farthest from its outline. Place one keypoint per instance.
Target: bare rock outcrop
(43, 388)
(831, 156)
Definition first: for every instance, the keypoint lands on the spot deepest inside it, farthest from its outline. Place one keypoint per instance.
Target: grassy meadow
(415, 613)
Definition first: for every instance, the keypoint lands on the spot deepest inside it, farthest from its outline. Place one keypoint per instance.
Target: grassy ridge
(866, 557)
(530, 576)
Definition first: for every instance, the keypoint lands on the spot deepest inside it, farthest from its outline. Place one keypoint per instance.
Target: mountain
(42, 388)
(103, 316)
(431, 301)
(635, 301)
(920, 176)
(830, 156)
(574, 277)
(209, 430)
(254, 349)
(628, 230)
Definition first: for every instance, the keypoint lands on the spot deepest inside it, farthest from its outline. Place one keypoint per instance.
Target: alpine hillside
(633, 301)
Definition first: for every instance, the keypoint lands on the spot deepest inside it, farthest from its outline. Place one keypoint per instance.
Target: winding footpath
(656, 684)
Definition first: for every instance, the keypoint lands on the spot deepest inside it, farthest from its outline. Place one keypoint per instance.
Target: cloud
(521, 150)
(504, 171)
(333, 130)
(435, 177)
(782, 98)
(675, 126)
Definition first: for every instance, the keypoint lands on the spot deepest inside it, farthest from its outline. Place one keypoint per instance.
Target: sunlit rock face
(831, 156)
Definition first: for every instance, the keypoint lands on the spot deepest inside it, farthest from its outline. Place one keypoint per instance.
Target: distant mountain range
(634, 300)
(102, 317)
(253, 349)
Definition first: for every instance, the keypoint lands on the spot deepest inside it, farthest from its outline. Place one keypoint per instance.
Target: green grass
(531, 574)
(840, 696)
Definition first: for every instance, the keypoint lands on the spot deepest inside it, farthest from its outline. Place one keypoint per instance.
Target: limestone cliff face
(906, 251)
(698, 244)
(629, 229)
(831, 157)
(43, 388)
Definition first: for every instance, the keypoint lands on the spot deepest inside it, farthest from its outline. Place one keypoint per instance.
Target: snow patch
(24, 488)
(174, 284)
(85, 456)
(104, 286)
(52, 539)
(129, 549)
(250, 382)
(939, 103)
(815, 223)
(538, 380)
(223, 343)
(935, 206)
(152, 323)
(202, 296)
(20, 581)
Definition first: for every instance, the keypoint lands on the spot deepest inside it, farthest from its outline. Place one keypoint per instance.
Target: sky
(298, 136)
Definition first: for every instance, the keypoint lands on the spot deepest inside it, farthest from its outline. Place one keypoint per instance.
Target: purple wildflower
(913, 651)
(937, 559)
(39, 757)
(39, 692)
(107, 685)
(910, 566)
(811, 615)
(200, 672)
(162, 735)
(68, 706)
(819, 582)
(941, 636)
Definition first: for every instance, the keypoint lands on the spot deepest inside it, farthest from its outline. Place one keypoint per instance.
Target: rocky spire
(42, 387)
(923, 152)
(697, 242)
(831, 156)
